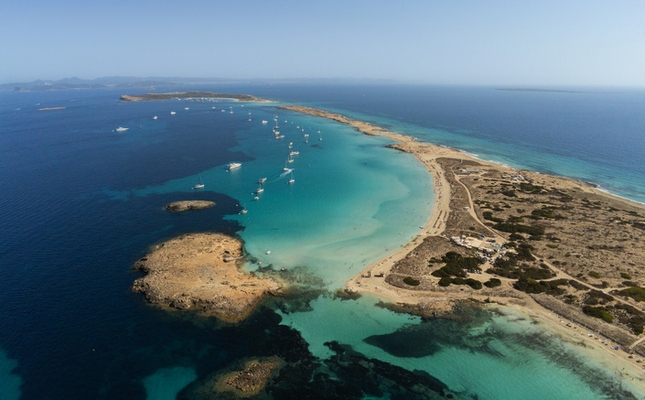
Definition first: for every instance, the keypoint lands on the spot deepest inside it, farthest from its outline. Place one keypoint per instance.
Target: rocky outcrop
(243, 380)
(200, 271)
(185, 205)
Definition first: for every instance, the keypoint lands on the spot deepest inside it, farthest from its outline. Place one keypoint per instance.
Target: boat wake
(286, 172)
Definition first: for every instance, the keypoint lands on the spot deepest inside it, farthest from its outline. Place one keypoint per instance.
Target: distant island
(187, 95)
(111, 82)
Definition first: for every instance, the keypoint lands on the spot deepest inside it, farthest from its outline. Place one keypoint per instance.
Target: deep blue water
(72, 227)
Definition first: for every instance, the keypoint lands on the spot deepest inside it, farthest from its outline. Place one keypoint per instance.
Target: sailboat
(200, 185)
(291, 180)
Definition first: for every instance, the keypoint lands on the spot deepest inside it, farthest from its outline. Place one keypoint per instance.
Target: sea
(81, 201)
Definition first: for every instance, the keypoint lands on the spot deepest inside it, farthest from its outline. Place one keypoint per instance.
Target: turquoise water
(353, 200)
(84, 202)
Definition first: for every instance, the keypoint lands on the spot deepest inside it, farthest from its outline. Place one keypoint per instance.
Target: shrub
(635, 292)
(456, 265)
(594, 274)
(474, 283)
(598, 312)
(535, 230)
(577, 285)
(493, 282)
(625, 275)
(516, 236)
(408, 280)
(489, 216)
(528, 285)
(445, 281)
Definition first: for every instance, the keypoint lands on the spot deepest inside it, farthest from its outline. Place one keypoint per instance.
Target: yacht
(200, 185)
(172, 113)
(121, 129)
(264, 122)
(259, 190)
(294, 153)
(155, 117)
(234, 165)
(262, 180)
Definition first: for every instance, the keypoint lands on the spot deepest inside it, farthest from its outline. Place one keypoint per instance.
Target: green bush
(594, 274)
(635, 292)
(530, 188)
(529, 286)
(457, 265)
(408, 280)
(577, 285)
(474, 283)
(493, 282)
(598, 312)
(516, 236)
(535, 230)
(445, 281)
(625, 275)
(488, 215)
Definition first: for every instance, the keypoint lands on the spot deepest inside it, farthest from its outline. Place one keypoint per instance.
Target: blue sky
(441, 42)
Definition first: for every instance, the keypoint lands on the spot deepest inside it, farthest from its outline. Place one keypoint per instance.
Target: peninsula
(189, 95)
(562, 251)
(201, 271)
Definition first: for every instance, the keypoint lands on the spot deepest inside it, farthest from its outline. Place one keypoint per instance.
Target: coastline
(373, 279)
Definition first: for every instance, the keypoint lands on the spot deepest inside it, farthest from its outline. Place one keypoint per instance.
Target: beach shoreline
(372, 280)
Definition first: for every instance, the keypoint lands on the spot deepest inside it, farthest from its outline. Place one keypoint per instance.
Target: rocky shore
(201, 271)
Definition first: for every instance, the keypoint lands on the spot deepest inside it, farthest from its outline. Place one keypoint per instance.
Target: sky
(486, 42)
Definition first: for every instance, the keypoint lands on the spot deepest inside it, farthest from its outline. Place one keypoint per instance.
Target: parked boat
(121, 129)
(200, 185)
(233, 166)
